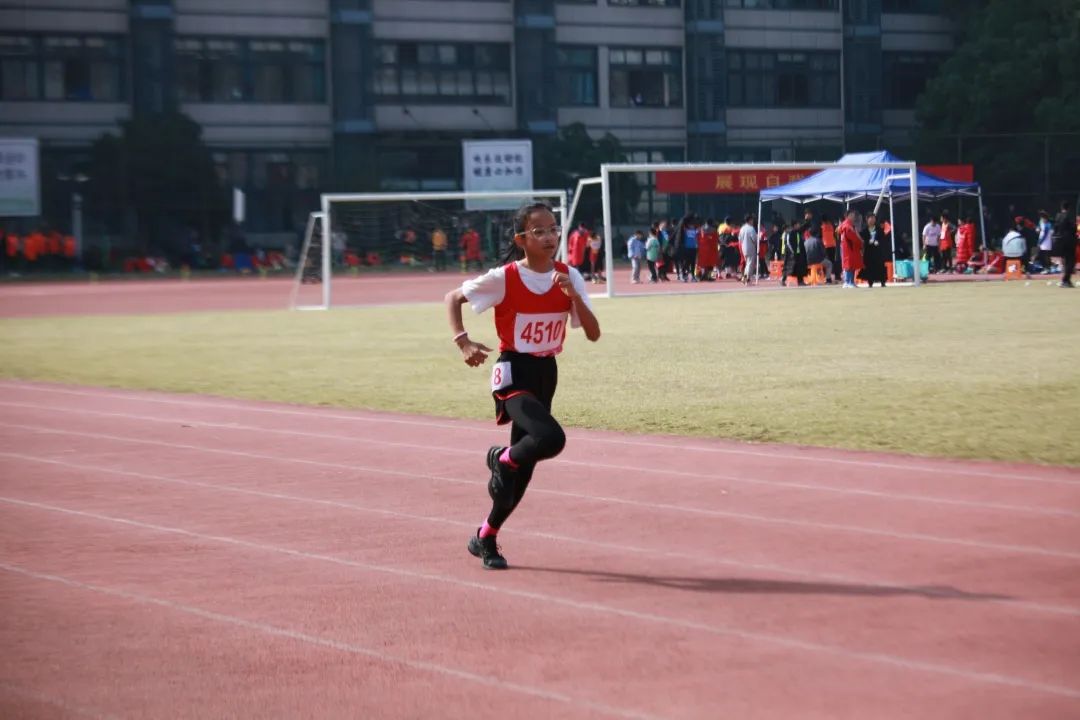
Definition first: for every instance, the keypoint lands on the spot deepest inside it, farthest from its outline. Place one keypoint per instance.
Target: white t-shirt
(1013, 245)
(489, 289)
(932, 234)
(748, 239)
(1046, 236)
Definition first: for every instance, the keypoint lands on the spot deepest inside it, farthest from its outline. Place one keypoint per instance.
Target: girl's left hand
(564, 283)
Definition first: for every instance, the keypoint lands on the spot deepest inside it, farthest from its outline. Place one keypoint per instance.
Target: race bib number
(539, 332)
(501, 376)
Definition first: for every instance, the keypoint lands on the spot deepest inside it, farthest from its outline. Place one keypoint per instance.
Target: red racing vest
(531, 323)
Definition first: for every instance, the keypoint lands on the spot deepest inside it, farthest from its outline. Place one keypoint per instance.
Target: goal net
(356, 236)
(635, 196)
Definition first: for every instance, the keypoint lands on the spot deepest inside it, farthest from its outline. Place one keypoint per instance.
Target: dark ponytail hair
(521, 221)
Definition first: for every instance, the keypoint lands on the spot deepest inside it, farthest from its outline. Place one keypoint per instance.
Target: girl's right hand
(474, 353)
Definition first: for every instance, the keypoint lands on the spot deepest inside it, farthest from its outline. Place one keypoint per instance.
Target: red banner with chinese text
(735, 182)
(694, 182)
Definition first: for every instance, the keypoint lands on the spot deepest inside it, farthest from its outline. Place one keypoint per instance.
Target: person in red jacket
(12, 246)
(948, 241)
(965, 244)
(708, 252)
(470, 249)
(576, 246)
(851, 249)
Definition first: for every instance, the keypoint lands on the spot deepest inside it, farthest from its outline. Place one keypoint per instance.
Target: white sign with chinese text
(20, 187)
(497, 165)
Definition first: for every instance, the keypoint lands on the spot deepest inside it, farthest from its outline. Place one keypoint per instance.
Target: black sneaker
(502, 477)
(487, 550)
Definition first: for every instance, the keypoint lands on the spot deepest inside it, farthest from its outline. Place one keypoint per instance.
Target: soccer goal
(356, 233)
(309, 291)
(636, 194)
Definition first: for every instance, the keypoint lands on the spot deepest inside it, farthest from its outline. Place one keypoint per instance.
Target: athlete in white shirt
(931, 236)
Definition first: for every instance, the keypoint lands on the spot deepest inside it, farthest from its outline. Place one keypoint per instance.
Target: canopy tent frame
(913, 194)
(847, 204)
(915, 232)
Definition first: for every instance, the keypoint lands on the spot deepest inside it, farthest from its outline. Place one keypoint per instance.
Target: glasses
(554, 231)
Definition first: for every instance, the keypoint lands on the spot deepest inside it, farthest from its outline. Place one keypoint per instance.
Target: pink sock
(486, 530)
(505, 459)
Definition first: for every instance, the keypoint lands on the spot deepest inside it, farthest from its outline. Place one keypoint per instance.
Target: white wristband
(460, 335)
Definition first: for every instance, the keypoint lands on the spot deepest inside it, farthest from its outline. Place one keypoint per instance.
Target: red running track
(184, 556)
(126, 297)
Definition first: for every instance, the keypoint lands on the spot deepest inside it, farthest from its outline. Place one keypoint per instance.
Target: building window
(287, 71)
(931, 7)
(645, 3)
(784, 4)
(576, 75)
(281, 187)
(266, 70)
(905, 76)
(645, 77)
(652, 205)
(444, 73)
(783, 79)
(420, 167)
(88, 68)
(209, 70)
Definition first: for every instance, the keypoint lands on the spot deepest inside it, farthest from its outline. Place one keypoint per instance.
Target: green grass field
(964, 370)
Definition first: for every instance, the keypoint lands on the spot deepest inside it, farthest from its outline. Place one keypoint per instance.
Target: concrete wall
(62, 123)
(289, 18)
(263, 125)
(451, 21)
(67, 16)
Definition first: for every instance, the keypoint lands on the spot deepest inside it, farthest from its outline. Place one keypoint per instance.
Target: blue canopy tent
(847, 186)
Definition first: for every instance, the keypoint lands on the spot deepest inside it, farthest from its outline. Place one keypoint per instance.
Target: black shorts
(530, 374)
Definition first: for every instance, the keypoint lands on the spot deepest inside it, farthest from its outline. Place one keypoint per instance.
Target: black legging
(1068, 260)
(933, 254)
(687, 261)
(534, 436)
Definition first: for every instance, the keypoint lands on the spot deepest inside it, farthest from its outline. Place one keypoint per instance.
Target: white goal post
(313, 232)
(608, 169)
(332, 206)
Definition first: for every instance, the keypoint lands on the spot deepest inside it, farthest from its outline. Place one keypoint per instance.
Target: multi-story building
(298, 96)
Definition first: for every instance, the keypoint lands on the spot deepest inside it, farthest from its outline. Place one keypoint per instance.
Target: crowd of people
(40, 250)
(858, 249)
(693, 250)
(1045, 246)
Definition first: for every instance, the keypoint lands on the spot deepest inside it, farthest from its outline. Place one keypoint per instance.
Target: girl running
(532, 296)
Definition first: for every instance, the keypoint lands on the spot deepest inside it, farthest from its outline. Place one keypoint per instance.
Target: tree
(1016, 75)
(572, 154)
(159, 177)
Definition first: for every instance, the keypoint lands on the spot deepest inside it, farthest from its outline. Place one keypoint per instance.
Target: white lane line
(651, 506)
(735, 479)
(781, 640)
(472, 427)
(929, 592)
(318, 640)
(58, 702)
